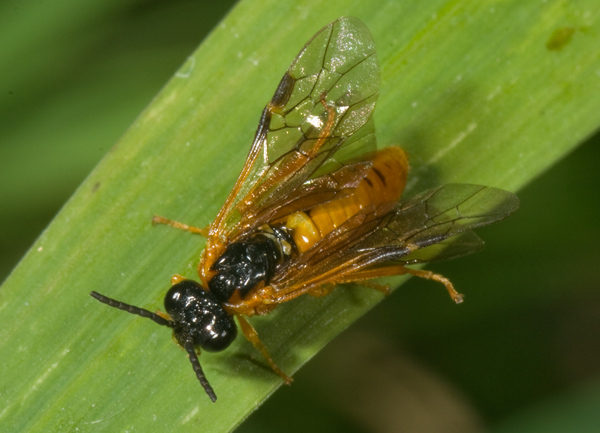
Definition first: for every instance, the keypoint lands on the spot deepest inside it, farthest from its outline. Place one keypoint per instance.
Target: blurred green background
(521, 354)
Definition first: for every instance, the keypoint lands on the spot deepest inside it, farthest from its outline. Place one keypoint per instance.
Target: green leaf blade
(472, 93)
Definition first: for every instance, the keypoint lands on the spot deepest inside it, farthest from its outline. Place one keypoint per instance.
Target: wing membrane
(323, 104)
(449, 248)
(434, 225)
(440, 213)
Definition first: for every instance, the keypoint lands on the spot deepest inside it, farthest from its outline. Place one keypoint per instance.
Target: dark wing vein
(434, 225)
(316, 125)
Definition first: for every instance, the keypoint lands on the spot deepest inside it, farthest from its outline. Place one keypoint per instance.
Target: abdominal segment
(384, 183)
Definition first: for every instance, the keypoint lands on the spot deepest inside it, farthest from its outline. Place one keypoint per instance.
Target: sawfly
(317, 205)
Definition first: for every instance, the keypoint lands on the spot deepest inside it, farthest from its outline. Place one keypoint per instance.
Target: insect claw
(458, 298)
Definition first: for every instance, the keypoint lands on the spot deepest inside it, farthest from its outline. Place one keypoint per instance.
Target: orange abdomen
(384, 183)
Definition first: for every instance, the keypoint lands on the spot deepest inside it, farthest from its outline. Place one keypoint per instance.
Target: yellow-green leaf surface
(489, 92)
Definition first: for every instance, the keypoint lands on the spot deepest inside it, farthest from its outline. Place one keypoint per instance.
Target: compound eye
(180, 297)
(218, 334)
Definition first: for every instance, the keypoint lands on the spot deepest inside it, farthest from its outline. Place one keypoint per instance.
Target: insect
(316, 205)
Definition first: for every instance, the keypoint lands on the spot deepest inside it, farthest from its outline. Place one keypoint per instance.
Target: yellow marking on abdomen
(384, 183)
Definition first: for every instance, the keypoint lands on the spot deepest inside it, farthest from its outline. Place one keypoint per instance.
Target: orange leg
(320, 286)
(323, 290)
(164, 315)
(252, 336)
(428, 275)
(181, 226)
(399, 270)
(328, 288)
(176, 279)
(383, 288)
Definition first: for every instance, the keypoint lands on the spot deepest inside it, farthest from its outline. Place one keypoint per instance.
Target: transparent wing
(434, 225)
(449, 248)
(310, 133)
(440, 213)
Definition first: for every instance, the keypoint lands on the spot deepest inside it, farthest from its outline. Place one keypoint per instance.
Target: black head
(198, 320)
(199, 317)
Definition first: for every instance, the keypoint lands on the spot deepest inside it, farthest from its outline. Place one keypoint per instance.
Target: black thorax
(249, 262)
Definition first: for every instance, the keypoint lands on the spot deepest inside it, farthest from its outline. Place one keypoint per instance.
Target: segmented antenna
(189, 347)
(132, 309)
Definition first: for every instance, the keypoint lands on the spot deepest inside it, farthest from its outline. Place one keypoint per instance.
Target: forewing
(440, 213)
(322, 105)
(434, 225)
(449, 248)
